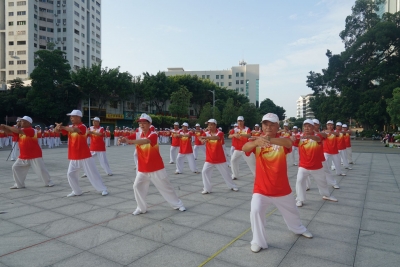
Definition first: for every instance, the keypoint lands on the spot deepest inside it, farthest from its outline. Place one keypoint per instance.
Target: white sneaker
(307, 188)
(16, 187)
(83, 176)
(336, 186)
(182, 208)
(294, 164)
(342, 174)
(235, 189)
(307, 234)
(137, 212)
(299, 203)
(234, 178)
(255, 248)
(110, 174)
(205, 192)
(104, 193)
(349, 168)
(71, 195)
(51, 184)
(330, 198)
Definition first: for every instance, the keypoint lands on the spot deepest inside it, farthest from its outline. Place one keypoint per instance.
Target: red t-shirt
(149, 158)
(185, 146)
(330, 144)
(309, 154)
(175, 140)
(347, 139)
(28, 144)
(108, 133)
(214, 151)
(285, 134)
(242, 140)
(271, 171)
(77, 143)
(341, 145)
(255, 133)
(2, 134)
(297, 136)
(14, 136)
(321, 146)
(51, 133)
(197, 134)
(97, 142)
(46, 133)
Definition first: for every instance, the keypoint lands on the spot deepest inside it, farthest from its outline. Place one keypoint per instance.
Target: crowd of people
(264, 148)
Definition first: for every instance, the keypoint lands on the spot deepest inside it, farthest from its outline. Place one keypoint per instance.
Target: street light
(213, 92)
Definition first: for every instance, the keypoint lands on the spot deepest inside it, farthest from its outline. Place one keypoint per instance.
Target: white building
(73, 26)
(243, 78)
(391, 6)
(303, 107)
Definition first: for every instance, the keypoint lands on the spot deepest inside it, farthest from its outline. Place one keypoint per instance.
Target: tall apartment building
(72, 26)
(391, 6)
(244, 78)
(303, 107)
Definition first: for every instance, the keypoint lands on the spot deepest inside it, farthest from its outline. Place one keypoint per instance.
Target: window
(222, 76)
(76, 13)
(97, 20)
(241, 81)
(76, 4)
(64, 39)
(203, 76)
(42, 28)
(42, 18)
(216, 76)
(50, 29)
(241, 89)
(34, 16)
(83, 52)
(42, 47)
(222, 83)
(10, 3)
(10, 33)
(35, 45)
(208, 76)
(237, 74)
(11, 43)
(21, 62)
(97, 4)
(76, 49)
(21, 3)
(76, 32)
(64, 48)
(229, 83)
(21, 13)
(76, 41)
(98, 12)
(21, 32)
(58, 29)
(21, 42)
(11, 23)
(11, 72)
(242, 74)
(21, 71)
(21, 52)
(113, 104)
(64, 29)
(83, 18)
(11, 62)
(76, 22)
(11, 13)
(237, 81)
(217, 83)
(229, 76)
(237, 89)
(64, 11)
(58, 12)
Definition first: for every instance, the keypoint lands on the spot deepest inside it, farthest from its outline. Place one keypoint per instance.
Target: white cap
(145, 117)
(51, 126)
(344, 125)
(329, 122)
(308, 121)
(256, 125)
(212, 121)
(235, 124)
(26, 118)
(219, 128)
(197, 124)
(286, 124)
(270, 117)
(295, 127)
(96, 119)
(185, 124)
(316, 121)
(176, 123)
(338, 123)
(240, 118)
(75, 112)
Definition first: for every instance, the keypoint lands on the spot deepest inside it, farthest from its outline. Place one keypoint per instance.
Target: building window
(76, 22)
(114, 104)
(222, 76)
(21, 71)
(203, 76)
(208, 76)
(21, 3)
(242, 74)
(64, 29)
(35, 45)
(237, 74)
(10, 33)
(229, 76)
(21, 62)
(50, 29)
(10, 3)
(11, 13)
(237, 81)
(42, 28)
(217, 83)
(241, 89)
(76, 4)
(10, 23)
(11, 72)
(21, 52)
(64, 39)
(64, 48)
(11, 43)
(229, 83)
(237, 89)
(241, 81)
(216, 76)
(76, 49)
(42, 47)
(11, 62)
(50, 20)
(222, 83)
(21, 13)
(21, 32)
(76, 13)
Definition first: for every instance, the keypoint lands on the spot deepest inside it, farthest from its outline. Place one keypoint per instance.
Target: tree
(229, 113)
(180, 102)
(13, 102)
(156, 90)
(205, 113)
(52, 94)
(393, 106)
(250, 114)
(268, 106)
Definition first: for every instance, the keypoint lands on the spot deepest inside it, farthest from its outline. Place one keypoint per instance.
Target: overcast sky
(288, 38)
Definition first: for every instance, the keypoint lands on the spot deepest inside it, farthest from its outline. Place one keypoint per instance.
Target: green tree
(229, 113)
(268, 106)
(13, 102)
(156, 90)
(250, 114)
(180, 102)
(393, 106)
(205, 114)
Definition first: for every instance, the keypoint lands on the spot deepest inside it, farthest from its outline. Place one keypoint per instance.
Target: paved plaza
(40, 226)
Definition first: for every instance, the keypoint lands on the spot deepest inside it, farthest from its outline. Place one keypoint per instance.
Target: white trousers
(102, 156)
(223, 170)
(286, 206)
(232, 150)
(319, 177)
(115, 141)
(40, 142)
(107, 141)
(57, 141)
(21, 167)
(180, 160)
(135, 159)
(335, 158)
(44, 139)
(196, 150)
(5, 141)
(349, 152)
(173, 152)
(1, 142)
(15, 151)
(161, 182)
(343, 156)
(50, 142)
(293, 154)
(90, 170)
(326, 165)
(250, 160)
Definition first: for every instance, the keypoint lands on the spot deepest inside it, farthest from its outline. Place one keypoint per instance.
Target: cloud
(293, 17)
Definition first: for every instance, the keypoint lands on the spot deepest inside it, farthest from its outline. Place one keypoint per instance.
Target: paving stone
(381, 226)
(60, 227)
(369, 257)
(294, 260)
(38, 218)
(89, 260)
(162, 232)
(18, 240)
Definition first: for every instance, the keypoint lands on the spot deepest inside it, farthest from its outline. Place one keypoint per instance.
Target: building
(391, 6)
(73, 26)
(243, 78)
(303, 107)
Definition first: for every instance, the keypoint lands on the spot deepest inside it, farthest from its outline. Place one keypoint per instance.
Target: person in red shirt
(185, 150)
(331, 151)
(347, 140)
(271, 184)
(51, 139)
(45, 136)
(30, 154)
(234, 140)
(107, 136)
(14, 138)
(97, 145)
(341, 143)
(310, 164)
(116, 136)
(242, 134)
(295, 151)
(79, 155)
(2, 138)
(285, 132)
(215, 157)
(150, 167)
(175, 143)
(197, 144)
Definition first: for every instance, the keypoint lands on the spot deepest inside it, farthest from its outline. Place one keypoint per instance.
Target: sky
(287, 38)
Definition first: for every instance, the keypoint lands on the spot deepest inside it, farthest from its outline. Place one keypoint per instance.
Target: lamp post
(213, 92)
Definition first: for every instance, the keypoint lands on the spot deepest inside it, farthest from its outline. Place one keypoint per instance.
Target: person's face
(345, 129)
(212, 127)
(316, 127)
(240, 124)
(176, 127)
(339, 128)
(308, 128)
(96, 123)
(329, 126)
(198, 128)
(270, 128)
(256, 128)
(75, 119)
(295, 130)
(24, 123)
(144, 125)
(184, 128)
(286, 128)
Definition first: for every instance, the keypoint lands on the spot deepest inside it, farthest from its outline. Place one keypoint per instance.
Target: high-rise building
(72, 26)
(303, 107)
(244, 78)
(391, 6)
